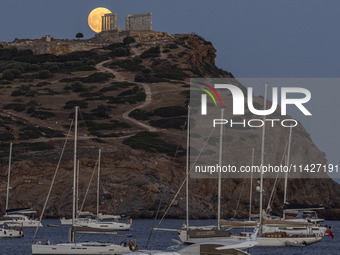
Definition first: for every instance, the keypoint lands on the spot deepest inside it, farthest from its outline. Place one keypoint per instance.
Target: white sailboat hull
(26, 223)
(11, 233)
(91, 248)
(64, 221)
(214, 247)
(262, 241)
(283, 241)
(287, 241)
(237, 243)
(68, 222)
(105, 225)
(31, 224)
(313, 230)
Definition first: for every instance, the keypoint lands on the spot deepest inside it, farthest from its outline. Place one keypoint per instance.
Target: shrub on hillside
(48, 132)
(28, 134)
(114, 46)
(95, 126)
(147, 77)
(73, 103)
(140, 77)
(22, 67)
(98, 77)
(44, 74)
(153, 52)
(42, 115)
(133, 64)
(17, 93)
(139, 114)
(36, 146)
(116, 85)
(169, 72)
(176, 123)
(150, 142)
(77, 86)
(10, 74)
(101, 111)
(121, 52)
(33, 67)
(6, 136)
(171, 46)
(16, 107)
(129, 39)
(170, 111)
(7, 75)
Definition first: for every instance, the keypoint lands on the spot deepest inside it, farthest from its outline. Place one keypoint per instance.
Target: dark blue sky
(291, 38)
(262, 38)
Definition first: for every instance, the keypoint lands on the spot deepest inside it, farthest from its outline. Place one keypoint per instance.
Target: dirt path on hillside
(147, 101)
(53, 125)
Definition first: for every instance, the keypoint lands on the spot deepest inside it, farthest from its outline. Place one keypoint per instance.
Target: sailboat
(88, 219)
(102, 225)
(11, 230)
(217, 247)
(17, 215)
(73, 247)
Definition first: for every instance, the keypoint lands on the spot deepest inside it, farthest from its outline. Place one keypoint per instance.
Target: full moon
(95, 18)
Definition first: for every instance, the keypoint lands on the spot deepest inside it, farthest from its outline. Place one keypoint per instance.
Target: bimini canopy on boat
(295, 208)
(25, 210)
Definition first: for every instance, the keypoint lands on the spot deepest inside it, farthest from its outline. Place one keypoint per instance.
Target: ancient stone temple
(140, 22)
(109, 22)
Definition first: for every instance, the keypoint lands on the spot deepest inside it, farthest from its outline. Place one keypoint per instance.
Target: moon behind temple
(95, 18)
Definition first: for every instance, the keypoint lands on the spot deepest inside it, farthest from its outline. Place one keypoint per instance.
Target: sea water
(159, 240)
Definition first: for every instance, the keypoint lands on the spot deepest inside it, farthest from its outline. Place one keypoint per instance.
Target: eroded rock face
(203, 51)
(132, 184)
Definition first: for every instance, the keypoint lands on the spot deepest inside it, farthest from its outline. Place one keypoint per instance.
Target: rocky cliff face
(137, 174)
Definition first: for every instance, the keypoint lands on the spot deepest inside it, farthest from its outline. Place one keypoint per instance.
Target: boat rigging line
(55, 175)
(187, 176)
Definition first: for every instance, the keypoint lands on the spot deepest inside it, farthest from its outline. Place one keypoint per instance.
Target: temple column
(138, 22)
(102, 23)
(150, 21)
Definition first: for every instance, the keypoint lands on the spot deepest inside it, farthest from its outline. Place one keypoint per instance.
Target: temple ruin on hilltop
(140, 22)
(135, 22)
(109, 22)
(138, 26)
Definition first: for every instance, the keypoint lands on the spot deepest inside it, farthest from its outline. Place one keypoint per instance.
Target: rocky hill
(133, 98)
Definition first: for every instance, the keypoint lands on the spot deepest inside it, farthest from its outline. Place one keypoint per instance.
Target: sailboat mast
(9, 173)
(187, 172)
(251, 184)
(75, 167)
(262, 157)
(77, 191)
(220, 176)
(99, 157)
(286, 174)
